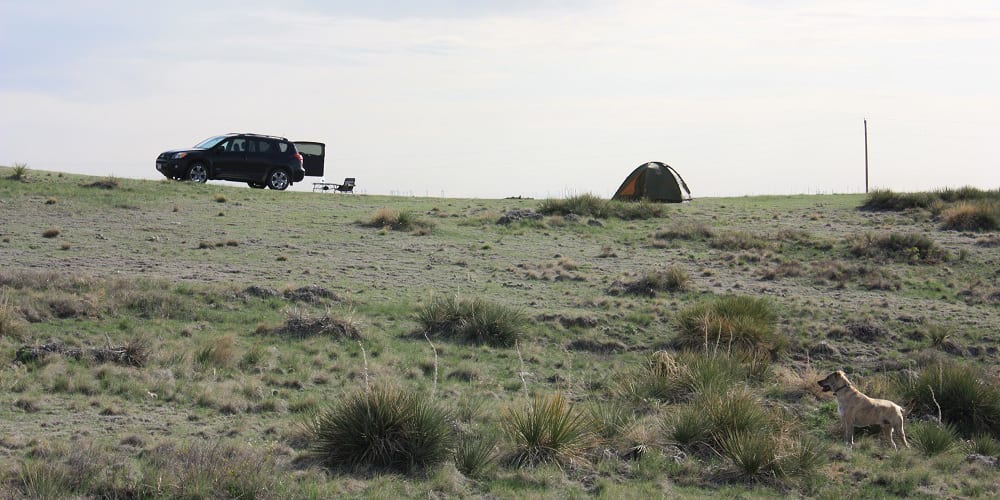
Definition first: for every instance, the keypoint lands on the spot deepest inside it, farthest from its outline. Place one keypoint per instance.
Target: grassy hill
(180, 340)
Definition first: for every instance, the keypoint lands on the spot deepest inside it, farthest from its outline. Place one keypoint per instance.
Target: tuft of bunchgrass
(546, 430)
(611, 419)
(887, 200)
(19, 172)
(911, 247)
(965, 397)
(591, 205)
(979, 216)
(397, 220)
(731, 321)
(983, 444)
(473, 320)
(476, 455)
(754, 454)
(932, 438)
(384, 428)
(11, 325)
(670, 279)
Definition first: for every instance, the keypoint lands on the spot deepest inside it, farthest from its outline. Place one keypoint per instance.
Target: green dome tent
(653, 181)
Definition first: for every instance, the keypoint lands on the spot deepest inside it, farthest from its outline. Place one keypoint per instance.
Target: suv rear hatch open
(313, 154)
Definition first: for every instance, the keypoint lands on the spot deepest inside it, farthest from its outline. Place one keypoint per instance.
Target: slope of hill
(182, 339)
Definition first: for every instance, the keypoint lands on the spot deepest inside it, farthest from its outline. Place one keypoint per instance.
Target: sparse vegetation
(911, 247)
(186, 373)
(972, 216)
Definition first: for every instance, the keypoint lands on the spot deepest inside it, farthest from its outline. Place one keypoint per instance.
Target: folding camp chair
(347, 186)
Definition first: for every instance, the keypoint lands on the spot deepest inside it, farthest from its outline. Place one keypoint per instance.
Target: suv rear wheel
(197, 172)
(278, 179)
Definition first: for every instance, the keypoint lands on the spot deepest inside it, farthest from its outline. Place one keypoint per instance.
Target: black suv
(259, 160)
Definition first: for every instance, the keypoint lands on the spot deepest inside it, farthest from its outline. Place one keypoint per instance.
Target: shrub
(546, 430)
(729, 321)
(803, 456)
(51, 233)
(19, 172)
(977, 216)
(912, 247)
(475, 455)
(384, 428)
(473, 320)
(932, 438)
(967, 398)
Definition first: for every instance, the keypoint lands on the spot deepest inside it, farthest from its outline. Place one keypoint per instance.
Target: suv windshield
(210, 142)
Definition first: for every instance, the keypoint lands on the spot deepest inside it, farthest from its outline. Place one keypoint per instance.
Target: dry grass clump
(978, 216)
(300, 323)
(11, 324)
(51, 232)
(738, 240)
(677, 378)
(870, 276)
(670, 279)
(690, 231)
(910, 247)
(562, 269)
(133, 353)
(397, 220)
(887, 200)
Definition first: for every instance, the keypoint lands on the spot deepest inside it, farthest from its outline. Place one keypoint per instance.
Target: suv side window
(237, 145)
(263, 146)
(283, 146)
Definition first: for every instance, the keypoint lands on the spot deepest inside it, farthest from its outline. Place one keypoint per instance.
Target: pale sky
(488, 98)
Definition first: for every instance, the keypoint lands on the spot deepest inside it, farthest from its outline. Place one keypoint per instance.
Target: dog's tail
(909, 407)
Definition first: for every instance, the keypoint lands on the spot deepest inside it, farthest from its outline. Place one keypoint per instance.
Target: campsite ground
(209, 281)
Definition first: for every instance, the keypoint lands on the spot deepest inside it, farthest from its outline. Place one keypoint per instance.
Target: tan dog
(858, 410)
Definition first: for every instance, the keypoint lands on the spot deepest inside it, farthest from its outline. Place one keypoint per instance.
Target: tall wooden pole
(866, 156)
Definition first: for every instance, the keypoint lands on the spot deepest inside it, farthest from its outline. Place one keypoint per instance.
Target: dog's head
(834, 380)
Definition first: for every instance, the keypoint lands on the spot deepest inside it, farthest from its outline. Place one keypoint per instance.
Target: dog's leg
(887, 431)
(903, 435)
(849, 433)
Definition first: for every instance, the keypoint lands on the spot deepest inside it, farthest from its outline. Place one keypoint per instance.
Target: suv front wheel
(197, 172)
(278, 179)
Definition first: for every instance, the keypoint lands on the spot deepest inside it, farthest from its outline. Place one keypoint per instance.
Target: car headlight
(178, 156)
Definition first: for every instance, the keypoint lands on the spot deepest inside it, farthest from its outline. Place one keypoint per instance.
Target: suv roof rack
(261, 135)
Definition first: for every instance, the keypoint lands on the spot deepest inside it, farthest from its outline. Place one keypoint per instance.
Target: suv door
(260, 158)
(313, 155)
(229, 157)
